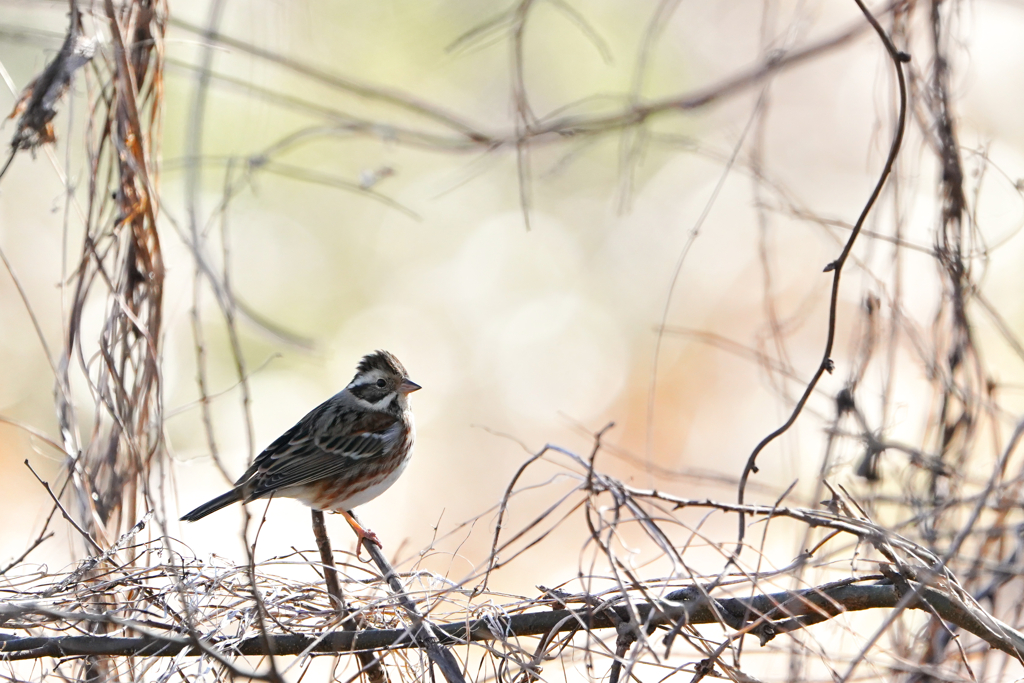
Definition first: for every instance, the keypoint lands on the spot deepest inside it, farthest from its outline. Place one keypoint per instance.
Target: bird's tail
(232, 496)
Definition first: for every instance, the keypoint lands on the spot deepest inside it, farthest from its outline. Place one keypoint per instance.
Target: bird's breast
(367, 479)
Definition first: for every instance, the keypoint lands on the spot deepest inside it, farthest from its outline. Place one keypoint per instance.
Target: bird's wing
(313, 450)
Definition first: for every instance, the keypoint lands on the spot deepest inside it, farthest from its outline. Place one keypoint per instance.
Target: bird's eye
(381, 383)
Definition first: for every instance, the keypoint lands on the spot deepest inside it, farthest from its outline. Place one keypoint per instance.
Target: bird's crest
(381, 360)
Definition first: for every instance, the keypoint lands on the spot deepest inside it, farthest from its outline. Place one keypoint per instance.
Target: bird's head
(381, 383)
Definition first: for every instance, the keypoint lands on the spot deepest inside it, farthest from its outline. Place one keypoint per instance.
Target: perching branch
(422, 630)
(368, 662)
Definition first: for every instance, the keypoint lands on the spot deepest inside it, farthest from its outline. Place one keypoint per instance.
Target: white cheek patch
(363, 404)
(379, 406)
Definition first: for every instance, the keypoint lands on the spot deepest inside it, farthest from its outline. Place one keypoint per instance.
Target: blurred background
(350, 168)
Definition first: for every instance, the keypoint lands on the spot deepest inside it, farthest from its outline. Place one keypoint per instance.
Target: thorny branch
(899, 58)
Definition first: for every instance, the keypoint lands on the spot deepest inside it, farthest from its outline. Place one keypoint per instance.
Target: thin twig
(63, 510)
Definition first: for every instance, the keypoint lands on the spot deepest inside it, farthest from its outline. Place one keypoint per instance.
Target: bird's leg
(360, 532)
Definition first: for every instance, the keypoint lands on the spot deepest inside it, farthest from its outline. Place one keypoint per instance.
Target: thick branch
(780, 612)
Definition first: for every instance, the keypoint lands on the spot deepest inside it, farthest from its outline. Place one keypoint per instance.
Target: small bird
(343, 453)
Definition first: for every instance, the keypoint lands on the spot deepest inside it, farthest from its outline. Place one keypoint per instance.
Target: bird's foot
(362, 534)
(367, 535)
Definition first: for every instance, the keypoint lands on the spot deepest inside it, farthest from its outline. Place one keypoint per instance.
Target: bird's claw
(366, 535)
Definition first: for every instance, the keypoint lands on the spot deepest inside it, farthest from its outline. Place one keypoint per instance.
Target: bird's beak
(408, 386)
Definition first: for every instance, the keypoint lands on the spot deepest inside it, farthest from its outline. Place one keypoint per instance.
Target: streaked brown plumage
(343, 453)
